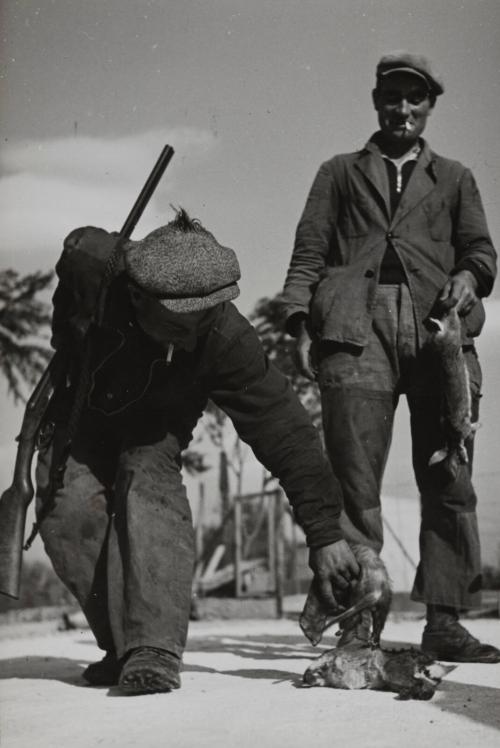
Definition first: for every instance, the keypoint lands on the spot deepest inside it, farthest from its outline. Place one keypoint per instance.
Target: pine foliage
(24, 319)
(267, 318)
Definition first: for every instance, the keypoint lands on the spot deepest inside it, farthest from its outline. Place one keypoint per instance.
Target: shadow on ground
(270, 647)
(256, 647)
(477, 703)
(43, 668)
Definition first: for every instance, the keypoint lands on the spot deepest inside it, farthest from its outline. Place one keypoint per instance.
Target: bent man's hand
(335, 568)
(460, 291)
(303, 353)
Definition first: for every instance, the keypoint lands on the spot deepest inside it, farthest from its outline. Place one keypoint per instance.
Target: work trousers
(360, 389)
(119, 533)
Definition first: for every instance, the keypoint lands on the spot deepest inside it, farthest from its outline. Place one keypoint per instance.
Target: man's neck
(395, 150)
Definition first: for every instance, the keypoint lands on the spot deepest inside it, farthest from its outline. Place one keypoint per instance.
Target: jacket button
(389, 235)
(109, 395)
(369, 274)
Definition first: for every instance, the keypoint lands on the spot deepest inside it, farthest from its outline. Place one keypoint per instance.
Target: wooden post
(238, 591)
(223, 483)
(198, 539)
(294, 566)
(279, 551)
(271, 537)
(200, 521)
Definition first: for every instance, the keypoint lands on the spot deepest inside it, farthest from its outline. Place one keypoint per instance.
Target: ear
(434, 325)
(438, 670)
(375, 98)
(438, 456)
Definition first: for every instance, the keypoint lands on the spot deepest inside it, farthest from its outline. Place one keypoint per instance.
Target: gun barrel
(129, 225)
(146, 192)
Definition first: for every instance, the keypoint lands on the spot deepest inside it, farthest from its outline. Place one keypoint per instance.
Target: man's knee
(76, 510)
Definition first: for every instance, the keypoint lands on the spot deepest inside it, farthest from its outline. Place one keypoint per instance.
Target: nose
(404, 107)
(309, 677)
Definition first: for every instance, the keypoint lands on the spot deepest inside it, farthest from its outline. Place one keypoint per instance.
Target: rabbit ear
(438, 456)
(316, 617)
(438, 670)
(434, 324)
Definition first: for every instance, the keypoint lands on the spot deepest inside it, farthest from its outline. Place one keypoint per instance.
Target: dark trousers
(119, 535)
(360, 390)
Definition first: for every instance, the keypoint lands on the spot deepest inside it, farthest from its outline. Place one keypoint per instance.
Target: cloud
(50, 187)
(91, 159)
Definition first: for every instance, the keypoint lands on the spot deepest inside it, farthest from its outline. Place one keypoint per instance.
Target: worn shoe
(150, 670)
(455, 644)
(105, 672)
(355, 632)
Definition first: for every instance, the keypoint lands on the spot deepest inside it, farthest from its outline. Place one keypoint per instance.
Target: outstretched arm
(269, 417)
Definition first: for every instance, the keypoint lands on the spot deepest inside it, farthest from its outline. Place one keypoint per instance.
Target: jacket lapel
(371, 165)
(421, 182)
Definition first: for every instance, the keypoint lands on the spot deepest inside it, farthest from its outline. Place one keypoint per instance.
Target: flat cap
(406, 62)
(183, 266)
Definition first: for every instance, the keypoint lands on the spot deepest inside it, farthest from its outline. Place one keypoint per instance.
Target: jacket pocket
(323, 298)
(340, 310)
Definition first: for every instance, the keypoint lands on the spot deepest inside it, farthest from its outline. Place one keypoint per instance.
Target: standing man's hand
(303, 351)
(335, 568)
(460, 292)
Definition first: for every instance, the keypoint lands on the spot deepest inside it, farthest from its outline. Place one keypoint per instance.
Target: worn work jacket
(438, 228)
(134, 386)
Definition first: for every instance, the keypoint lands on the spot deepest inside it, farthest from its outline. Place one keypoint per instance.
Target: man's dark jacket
(438, 229)
(133, 386)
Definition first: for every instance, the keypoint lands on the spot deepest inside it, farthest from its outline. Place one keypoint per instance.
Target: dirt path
(240, 688)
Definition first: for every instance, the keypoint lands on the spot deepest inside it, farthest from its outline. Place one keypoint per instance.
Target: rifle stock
(15, 500)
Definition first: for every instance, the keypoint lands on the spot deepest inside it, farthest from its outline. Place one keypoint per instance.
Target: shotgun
(15, 500)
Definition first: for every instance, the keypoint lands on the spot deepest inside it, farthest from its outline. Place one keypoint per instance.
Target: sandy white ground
(241, 687)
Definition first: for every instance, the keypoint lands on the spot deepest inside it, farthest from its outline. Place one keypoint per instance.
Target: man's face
(164, 326)
(403, 105)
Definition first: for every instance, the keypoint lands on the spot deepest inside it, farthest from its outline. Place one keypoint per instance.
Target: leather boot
(105, 672)
(444, 638)
(150, 670)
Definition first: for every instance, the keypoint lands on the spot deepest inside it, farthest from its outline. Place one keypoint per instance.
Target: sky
(253, 97)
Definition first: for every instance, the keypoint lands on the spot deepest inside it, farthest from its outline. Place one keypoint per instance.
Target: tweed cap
(406, 62)
(183, 266)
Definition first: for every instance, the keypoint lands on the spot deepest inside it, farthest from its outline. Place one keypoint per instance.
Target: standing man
(116, 522)
(388, 234)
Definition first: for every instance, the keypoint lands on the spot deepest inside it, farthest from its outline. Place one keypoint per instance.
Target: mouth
(404, 127)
